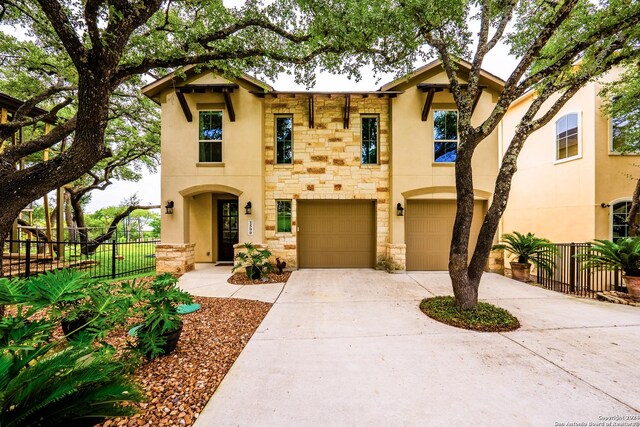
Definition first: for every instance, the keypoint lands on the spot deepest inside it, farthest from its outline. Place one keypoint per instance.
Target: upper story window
(619, 214)
(369, 140)
(445, 135)
(617, 138)
(283, 208)
(284, 139)
(568, 137)
(210, 136)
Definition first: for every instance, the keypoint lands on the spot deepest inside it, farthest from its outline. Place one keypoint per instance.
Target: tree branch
(64, 29)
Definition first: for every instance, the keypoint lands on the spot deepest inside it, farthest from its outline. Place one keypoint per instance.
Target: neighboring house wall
(561, 199)
(326, 163)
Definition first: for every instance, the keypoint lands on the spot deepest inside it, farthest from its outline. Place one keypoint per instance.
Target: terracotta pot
(520, 271)
(633, 286)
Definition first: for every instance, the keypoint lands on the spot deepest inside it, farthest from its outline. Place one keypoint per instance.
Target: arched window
(619, 227)
(568, 137)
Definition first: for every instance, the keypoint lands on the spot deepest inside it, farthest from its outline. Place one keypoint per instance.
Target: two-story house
(323, 179)
(572, 185)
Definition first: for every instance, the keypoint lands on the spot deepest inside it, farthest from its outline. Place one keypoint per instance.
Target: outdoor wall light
(399, 210)
(605, 205)
(169, 207)
(247, 208)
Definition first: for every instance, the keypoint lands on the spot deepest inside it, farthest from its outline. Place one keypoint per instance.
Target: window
(369, 140)
(284, 137)
(445, 135)
(617, 138)
(619, 213)
(210, 136)
(283, 208)
(567, 137)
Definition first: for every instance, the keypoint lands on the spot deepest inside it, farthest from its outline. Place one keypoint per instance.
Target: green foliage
(483, 317)
(623, 254)
(529, 248)
(45, 382)
(622, 104)
(254, 259)
(70, 386)
(157, 304)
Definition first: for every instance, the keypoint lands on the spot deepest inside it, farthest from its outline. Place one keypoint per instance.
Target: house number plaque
(250, 227)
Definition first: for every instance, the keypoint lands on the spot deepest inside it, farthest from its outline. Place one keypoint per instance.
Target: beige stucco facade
(568, 200)
(327, 163)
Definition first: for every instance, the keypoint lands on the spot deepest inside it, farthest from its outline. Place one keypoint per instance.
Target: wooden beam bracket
(184, 105)
(311, 113)
(347, 111)
(427, 104)
(227, 102)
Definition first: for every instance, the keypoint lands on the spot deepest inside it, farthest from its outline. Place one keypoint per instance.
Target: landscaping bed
(179, 385)
(483, 317)
(243, 279)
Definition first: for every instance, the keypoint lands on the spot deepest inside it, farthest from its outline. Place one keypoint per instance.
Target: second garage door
(429, 227)
(336, 234)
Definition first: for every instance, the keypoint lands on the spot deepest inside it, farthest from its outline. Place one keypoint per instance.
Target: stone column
(177, 258)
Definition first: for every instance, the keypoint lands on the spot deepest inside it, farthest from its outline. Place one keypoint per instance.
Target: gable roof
(432, 67)
(152, 90)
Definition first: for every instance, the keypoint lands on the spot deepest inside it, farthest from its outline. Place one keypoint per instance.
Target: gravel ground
(180, 384)
(243, 279)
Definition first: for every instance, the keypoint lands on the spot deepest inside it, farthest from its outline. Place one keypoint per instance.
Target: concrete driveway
(350, 347)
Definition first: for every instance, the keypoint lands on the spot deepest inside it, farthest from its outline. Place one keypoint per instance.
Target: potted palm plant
(530, 250)
(255, 261)
(157, 303)
(623, 254)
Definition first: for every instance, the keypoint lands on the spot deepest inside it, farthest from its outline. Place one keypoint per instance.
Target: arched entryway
(212, 221)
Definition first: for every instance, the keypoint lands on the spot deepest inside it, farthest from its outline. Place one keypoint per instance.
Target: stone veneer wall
(175, 258)
(326, 163)
(496, 262)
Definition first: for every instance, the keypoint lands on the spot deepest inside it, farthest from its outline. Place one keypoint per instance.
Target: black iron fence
(569, 276)
(112, 259)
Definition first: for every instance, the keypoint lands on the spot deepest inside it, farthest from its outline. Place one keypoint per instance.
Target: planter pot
(633, 286)
(520, 271)
(69, 326)
(253, 273)
(171, 342)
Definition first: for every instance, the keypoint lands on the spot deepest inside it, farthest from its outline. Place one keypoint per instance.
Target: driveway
(351, 347)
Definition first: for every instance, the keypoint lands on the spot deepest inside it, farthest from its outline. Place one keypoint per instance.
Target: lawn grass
(483, 317)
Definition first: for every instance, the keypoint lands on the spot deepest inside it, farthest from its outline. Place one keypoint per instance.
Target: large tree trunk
(466, 275)
(22, 187)
(78, 212)
(68, 217)
(631, 220)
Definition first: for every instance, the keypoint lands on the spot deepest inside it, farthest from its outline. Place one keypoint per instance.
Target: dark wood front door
(227, 228)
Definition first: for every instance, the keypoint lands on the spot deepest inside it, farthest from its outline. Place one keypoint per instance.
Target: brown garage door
(336, 234)
(429, 226)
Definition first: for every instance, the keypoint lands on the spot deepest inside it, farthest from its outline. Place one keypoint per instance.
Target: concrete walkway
(350, 347)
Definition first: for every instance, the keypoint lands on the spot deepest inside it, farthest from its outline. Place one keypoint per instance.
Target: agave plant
(623, 254)
(529, 249)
